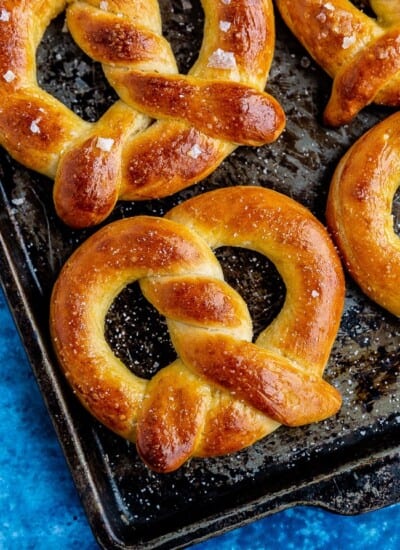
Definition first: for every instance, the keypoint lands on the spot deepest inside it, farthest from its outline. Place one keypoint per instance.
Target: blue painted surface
(40, 509)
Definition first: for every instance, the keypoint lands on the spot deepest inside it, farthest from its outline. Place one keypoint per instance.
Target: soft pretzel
(360, 53)
(201, 117)
(223, 392)
(359, 212)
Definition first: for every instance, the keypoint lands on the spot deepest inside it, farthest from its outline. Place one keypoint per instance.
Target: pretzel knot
(201, 117)
(361, 53)
(359, 212)
(223, 392)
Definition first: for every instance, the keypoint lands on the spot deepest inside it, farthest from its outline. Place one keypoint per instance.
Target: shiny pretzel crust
(359, 212)
(223, 392)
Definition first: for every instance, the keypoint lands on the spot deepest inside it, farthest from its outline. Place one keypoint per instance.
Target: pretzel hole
(69, 75)
(183, 22)
(257, 280)
(365, 7)
(138, 334)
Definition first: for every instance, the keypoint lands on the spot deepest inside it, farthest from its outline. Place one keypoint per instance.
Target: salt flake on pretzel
(223, 392)
(360, 53)
(359, 212)
(201, 117)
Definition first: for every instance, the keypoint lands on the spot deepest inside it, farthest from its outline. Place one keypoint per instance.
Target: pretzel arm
(223, 110)
(112, 39)
(172, 418)
(168, 157)
(33, 120)
(88, 177)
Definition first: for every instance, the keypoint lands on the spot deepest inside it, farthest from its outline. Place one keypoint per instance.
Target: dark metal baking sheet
(349, 463)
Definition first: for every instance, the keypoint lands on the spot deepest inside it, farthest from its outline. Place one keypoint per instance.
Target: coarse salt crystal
(348, 41)
(18, 201)
(382, 53)
(314, 293)
(104, 5)
(195, 151)
(224, 26)
(34, 127)
(187, 6)
(4, 15)
(105, 144)
(329, 6)
(9, 76)
(226, 2)
(220, 59)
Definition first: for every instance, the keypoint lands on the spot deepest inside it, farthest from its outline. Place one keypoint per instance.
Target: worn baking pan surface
(348, 463)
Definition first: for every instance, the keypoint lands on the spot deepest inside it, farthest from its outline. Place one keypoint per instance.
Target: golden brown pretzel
(202, 117)
(360, 53)
(223, 392)
(359, 212)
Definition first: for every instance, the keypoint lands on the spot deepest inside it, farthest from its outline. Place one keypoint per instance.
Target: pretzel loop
(200, 118)
(360, 53)
(223, 392)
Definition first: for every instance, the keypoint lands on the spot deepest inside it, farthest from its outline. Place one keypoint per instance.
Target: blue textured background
(40, 509)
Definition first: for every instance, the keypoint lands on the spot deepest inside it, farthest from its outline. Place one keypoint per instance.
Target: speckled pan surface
(348, 463)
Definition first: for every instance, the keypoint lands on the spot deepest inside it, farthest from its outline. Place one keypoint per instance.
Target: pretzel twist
(201, 117)
(223, 392)
(359, 212)
(360, 53)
